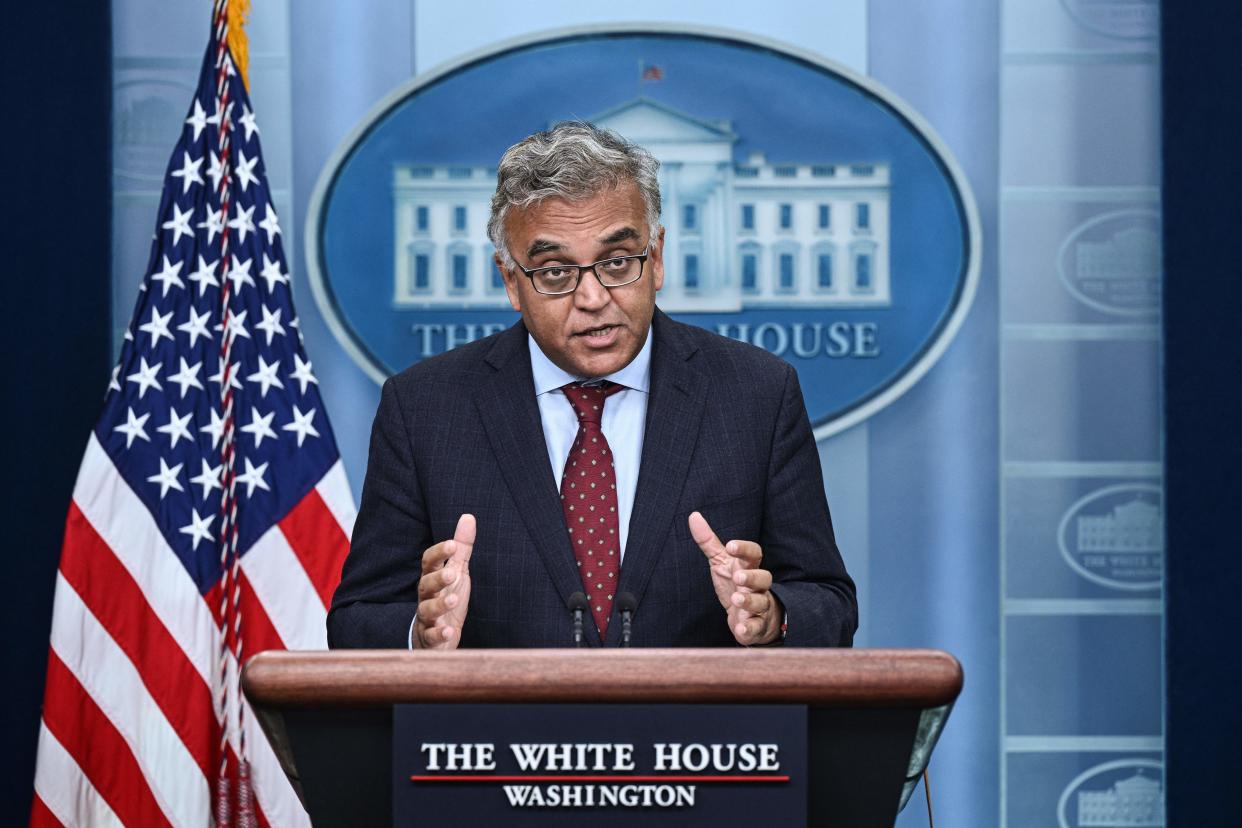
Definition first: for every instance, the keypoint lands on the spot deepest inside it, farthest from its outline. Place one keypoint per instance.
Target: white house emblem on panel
(742, 235)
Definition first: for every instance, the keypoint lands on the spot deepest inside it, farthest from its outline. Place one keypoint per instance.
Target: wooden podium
(873, 715)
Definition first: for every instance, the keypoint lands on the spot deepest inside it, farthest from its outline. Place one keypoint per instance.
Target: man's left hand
(743, 587)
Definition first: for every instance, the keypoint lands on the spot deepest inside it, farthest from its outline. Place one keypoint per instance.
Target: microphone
(626, 603)
(577, 604)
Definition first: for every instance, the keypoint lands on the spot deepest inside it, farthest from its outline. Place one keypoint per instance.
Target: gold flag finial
(239, 46)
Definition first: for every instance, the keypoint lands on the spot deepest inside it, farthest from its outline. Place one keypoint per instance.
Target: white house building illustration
(1135, 526)
(1136, 802)
(740, 235)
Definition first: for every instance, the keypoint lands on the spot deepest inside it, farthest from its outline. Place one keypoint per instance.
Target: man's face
(595, 330)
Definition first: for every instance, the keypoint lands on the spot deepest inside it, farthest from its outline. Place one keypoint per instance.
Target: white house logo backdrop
(808, 211)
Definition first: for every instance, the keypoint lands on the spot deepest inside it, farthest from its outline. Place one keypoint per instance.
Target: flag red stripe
(258, 633)
(98, 747)
(41, 816)
(115, 598)
(318, 541)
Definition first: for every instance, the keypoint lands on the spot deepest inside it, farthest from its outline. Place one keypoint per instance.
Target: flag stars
(239, 274)
(215, 171)
(301, 424)
(195, 326)
(218, 377)
(247, 121)
(168, 276)
(187, 377)
(243, 222)
(245, 175)
(157, 326)
(302, 373)
(253, 477)
(167, 478)
(205, 275)
(260, 426)
(272, 273)
(199, 120)
(113, 385)
(146, 377)
(176, 428)
(266, 377)
(188, 173)
(199, 528)
(133, 427)
(216, 429)
(271, 323)
(270, 224)
(213, 220)
(235, 326)
(179, 224)
(209, 477)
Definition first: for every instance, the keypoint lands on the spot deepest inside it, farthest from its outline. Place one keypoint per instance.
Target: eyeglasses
(557, 280)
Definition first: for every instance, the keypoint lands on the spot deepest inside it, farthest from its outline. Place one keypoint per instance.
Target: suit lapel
(510, 415)
(674, 411)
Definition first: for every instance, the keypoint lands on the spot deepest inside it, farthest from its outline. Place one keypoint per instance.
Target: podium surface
(873, 715)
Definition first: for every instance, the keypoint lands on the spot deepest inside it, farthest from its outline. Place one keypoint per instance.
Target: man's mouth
(601, 332)
(599, 338)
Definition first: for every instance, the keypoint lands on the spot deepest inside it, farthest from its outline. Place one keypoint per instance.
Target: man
(596, 447)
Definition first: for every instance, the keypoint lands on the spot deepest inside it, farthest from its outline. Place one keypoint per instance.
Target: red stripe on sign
(318, 541)
(115, 598)
(42, 817)
(465, 777)
(97, 746)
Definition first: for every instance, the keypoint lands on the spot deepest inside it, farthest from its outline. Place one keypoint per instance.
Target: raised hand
(444, 590)
(742, 586)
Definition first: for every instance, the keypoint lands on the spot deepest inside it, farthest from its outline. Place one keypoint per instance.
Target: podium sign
(606, 764)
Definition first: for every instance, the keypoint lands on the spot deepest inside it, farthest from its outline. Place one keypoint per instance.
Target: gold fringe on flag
(239, 45)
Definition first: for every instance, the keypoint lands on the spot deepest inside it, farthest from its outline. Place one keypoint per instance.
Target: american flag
(211, 513)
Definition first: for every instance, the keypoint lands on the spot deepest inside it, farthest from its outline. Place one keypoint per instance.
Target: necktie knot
(588, 400)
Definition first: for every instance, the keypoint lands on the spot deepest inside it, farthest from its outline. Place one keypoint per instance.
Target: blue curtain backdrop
(950, 500)
(56, 234)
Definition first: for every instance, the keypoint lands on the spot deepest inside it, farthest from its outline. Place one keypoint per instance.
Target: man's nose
(591, 293)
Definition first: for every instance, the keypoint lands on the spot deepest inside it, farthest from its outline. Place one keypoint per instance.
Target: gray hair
(572, 160)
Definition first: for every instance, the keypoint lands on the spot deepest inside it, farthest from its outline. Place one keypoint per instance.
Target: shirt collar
(550, 377)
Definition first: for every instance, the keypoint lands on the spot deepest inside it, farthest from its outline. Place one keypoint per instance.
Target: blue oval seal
(809, 210)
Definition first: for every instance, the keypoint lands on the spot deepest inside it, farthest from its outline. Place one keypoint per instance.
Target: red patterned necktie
(589, 500)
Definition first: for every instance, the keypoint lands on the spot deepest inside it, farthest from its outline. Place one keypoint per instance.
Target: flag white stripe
(110, 678)
(336, 494)
(125, 524)
(64, 789)
(286, 592)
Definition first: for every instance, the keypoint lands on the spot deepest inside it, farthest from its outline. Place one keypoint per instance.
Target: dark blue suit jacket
(727, 434)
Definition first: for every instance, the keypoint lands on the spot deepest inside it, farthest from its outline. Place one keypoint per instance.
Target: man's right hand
(444, 590)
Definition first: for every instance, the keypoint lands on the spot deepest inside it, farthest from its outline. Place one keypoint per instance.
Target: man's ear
(655, 257)
(511, 285)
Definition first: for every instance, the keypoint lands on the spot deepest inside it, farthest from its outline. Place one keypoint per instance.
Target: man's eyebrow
(542, 246)
(624, 234)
